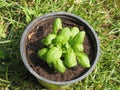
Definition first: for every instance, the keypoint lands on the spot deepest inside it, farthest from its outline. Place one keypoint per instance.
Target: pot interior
(41, 28)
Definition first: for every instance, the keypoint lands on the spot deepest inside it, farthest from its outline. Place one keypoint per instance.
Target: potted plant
(40, 37)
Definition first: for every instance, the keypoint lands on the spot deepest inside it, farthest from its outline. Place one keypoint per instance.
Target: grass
(103, 15)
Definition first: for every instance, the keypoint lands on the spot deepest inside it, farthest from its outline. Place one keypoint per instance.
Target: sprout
(67, 43)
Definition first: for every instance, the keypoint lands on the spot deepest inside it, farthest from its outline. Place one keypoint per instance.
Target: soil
(33, 44)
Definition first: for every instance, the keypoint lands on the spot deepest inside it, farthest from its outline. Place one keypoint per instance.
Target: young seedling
(67, 43)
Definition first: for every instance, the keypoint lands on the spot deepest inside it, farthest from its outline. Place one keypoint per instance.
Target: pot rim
(23, 54)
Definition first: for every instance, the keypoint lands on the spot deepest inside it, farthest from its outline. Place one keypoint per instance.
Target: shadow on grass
(13, 70)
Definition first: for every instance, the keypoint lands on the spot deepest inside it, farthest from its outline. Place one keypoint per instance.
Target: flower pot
(31, 43)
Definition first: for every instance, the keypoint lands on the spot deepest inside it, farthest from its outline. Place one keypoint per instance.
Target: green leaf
(66, 33)
(58, 40)
(42, 53)
(53, 54)
(78, 47)
(83, 59)
(74, 31)
(59, 66)
(70, 59)
(79, 38)
(57, 25)
(48, 40)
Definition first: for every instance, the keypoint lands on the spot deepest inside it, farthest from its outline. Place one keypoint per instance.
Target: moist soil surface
(33, 44)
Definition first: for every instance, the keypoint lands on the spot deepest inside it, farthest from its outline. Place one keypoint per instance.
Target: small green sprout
(67, 44)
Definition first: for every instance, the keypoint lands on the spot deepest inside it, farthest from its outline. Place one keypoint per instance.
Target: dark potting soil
(33, 44)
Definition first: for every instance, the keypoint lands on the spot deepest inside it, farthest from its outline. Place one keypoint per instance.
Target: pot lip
(23, 55)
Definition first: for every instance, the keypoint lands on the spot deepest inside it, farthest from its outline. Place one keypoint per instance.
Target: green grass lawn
(103, 15)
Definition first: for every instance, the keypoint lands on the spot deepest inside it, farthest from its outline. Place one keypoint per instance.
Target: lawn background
(103, 15)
